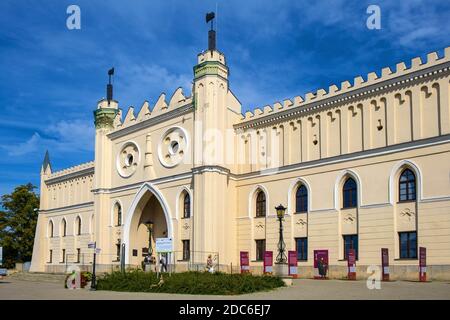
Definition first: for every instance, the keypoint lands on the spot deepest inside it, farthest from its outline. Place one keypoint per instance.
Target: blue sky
(52, 77)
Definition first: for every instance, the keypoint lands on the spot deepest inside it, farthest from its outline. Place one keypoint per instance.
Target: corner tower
(104, 115)
(216, 110)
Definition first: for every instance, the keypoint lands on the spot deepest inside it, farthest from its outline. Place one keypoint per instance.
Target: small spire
(46, 162)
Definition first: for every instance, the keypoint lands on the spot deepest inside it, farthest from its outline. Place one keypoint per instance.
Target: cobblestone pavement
(51, 287)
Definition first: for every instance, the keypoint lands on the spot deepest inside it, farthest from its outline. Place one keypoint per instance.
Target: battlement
(359, 82)
(71, 170)
(146, 112)
(211, 56)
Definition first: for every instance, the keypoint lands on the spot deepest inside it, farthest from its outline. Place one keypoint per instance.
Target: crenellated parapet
(75, 170)
(371, 83)
(147, 112)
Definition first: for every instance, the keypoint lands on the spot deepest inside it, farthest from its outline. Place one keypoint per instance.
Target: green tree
(18, 219)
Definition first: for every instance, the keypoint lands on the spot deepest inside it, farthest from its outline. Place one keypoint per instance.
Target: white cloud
(65, 136)
(29, 146)
(145, 82)
(76, 135)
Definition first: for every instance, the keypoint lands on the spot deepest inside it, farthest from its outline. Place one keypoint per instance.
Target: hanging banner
(292, 262)
(385, 263)
(268, 261)
(351, 264)
(244, 261)
(320, 264)
(422, 264)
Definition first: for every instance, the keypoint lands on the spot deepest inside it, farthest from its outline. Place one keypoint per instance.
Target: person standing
(163, 264)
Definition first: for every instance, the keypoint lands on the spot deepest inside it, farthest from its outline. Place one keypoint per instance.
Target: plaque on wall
(135, 253)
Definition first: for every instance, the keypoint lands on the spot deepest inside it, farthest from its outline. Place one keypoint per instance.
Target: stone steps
(38, 277)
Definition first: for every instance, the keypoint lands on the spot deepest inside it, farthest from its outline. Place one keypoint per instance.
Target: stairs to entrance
(38, 277)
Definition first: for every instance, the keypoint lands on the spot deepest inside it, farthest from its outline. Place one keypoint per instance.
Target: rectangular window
(50, 256)
(350, 242)
(408, 245)
(302, 248)
(78, 255)
(260, 248)
(63, 256)
(186, 251)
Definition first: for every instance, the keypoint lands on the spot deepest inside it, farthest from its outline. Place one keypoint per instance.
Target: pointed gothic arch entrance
(147, 205)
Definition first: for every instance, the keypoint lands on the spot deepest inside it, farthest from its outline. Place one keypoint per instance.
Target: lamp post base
(281, 269)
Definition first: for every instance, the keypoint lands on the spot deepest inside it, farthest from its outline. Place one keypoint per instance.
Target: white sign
(91, 245)
(97, 250)
(164, 245)
(293, 270)
(1, 255)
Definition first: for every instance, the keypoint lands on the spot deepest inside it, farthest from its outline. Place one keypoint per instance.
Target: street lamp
(149, 225)
(281, 257)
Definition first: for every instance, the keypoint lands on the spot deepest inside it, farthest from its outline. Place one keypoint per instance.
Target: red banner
(385, 263)
(320, 264)
(351, 263)
(245, 267)
(292, 263)
(268, 262)
(422, 264)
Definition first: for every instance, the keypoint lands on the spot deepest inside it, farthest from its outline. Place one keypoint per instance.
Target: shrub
(188, 283)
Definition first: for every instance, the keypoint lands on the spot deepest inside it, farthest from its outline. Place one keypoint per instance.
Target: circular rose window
(128, 159)
(173, 146)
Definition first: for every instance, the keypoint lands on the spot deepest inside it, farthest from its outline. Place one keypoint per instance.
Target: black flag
(209, 16)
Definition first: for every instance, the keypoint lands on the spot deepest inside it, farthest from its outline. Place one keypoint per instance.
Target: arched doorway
(148, 206)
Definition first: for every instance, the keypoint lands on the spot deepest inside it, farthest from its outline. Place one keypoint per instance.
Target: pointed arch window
(50, 229)
(187, 206)
(78, 225)
(64, 228)
(349, 194)
(301, 199)
(119, 215)
(407, 186)
(261, 204)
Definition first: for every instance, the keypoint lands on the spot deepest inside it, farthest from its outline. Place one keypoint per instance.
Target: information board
(351, 264)
(292, 263)
(268, 261)
(244, 260)
(164, 245)
(422, 264)
(385, 263)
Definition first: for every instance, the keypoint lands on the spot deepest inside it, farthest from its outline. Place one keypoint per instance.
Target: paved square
(47, 287)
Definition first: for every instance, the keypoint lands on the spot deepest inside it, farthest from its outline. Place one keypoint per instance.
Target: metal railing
(104, 262)
(176, 261)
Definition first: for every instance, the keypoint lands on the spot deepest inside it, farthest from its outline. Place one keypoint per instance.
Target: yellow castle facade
(363, 165)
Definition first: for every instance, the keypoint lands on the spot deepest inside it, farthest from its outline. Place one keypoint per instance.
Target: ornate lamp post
(149, 225)
(281, 257)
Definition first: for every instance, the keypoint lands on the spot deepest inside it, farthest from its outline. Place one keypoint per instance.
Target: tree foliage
(18, 219)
